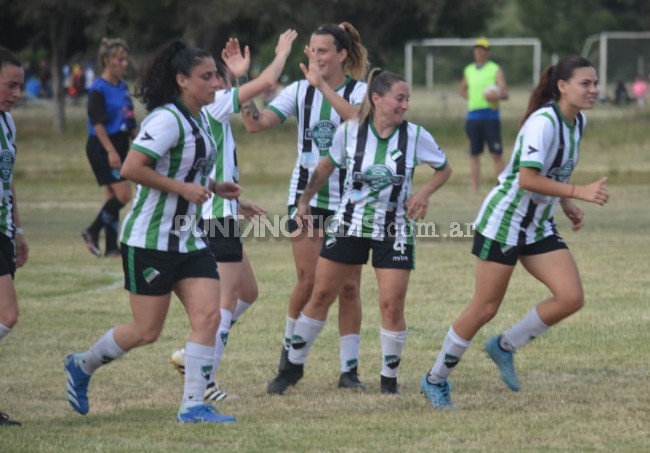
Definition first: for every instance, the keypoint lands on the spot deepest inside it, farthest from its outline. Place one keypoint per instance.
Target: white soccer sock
(289, 326)
(103, 352)
(350, 346)
(304, 334)
(392, 344)
(221, 341)
(530, 327)
(239, 310)
(452, 350)
(198, 365)
(4, 330)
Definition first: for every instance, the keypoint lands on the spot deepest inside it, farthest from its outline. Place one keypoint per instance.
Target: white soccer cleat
(178, 361)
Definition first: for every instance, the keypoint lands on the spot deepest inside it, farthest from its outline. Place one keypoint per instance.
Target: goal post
(603, 39)
(467, 42)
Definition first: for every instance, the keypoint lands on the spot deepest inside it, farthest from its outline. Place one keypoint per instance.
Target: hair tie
(341, 27)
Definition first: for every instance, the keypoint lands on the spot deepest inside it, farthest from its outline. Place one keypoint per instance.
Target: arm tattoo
(250, 110)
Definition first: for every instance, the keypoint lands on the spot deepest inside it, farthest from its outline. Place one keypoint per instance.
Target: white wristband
(19, 230)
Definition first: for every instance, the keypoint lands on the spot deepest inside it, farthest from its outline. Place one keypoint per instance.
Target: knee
(146, 337)
(573, 302)
(486, 313)
(392, 314)
(350, 291)
(9, 320)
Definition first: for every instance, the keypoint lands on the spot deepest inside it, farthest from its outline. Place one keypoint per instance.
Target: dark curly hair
(158, 82)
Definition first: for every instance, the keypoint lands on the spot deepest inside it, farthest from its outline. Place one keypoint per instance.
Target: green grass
(585, 383)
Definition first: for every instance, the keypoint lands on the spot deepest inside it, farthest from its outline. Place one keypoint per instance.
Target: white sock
(220, 341)
(4, 330)
(392, 344)
(103, 352)
(452, 350)
(289, 326)
(304, 334)
(239, 310)
(528, 328)
(198, 365)
(349, 351)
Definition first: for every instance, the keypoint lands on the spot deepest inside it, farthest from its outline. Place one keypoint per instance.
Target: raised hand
(238, 63)
(311, 72)
(285, 41)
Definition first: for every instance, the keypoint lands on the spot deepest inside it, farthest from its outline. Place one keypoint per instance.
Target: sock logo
(392, 361)
(151, 275)
(224, 337)
(298, 342)
(352, 363)
(205, 371)
(451, 360)
(106, 359)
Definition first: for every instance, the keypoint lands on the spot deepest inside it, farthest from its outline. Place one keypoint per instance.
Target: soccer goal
(434, 45)
(621, 55)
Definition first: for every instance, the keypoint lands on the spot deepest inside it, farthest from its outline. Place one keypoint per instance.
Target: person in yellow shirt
(483, 86)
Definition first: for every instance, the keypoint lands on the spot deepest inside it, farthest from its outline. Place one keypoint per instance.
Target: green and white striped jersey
(7, 160)
(379, 178)
(226, 103)
(317, 122)
(547, 142)
(184, 151)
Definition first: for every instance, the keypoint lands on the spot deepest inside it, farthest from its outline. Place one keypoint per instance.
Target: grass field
(585, 383)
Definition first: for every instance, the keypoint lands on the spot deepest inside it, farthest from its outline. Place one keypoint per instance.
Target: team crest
(322, 134)
(6, 165)
(205, 164)
(379, 177)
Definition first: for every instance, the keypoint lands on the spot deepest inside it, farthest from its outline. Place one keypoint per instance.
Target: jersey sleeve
(159, 133)
(538, 136)
(96, 107)
(285, 104)
(337, 151)
(224, 106)
(358, 93)
(427, 150)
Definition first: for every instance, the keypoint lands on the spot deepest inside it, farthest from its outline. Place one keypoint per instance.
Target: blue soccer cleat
(77, 383)
(203, 413)
(439, 395)
(504, 361)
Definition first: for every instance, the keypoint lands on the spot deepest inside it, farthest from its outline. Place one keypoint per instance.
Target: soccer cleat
(439, 395)
(389, 385)
(504, 361)
(214, 393)
(91, 243)
(113, 253)
(284, 359)
(77, 383)
(350, 380)
(203, 413)
(178, 361)
(6, 421)
(285, 378)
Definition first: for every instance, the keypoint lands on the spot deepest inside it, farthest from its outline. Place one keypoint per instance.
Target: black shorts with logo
(481, 132)
(356, 250)
(491, 250)
(319, 218)
(98, 158)
(154, 272)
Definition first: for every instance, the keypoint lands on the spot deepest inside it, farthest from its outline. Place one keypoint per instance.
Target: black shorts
(7, 256)
(98, 158)
(224, 239)
(319, 218)
(490, 250)
(356, 250)
(480, 132)
(154, 272)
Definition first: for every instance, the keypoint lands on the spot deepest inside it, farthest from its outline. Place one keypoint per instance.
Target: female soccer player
(379, 150)
(170, 160)
(237, 283)
(515, 223)
(111, 126)
(327, 96)
(13, 247)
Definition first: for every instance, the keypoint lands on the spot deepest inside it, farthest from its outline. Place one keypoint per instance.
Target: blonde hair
(108, 48)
